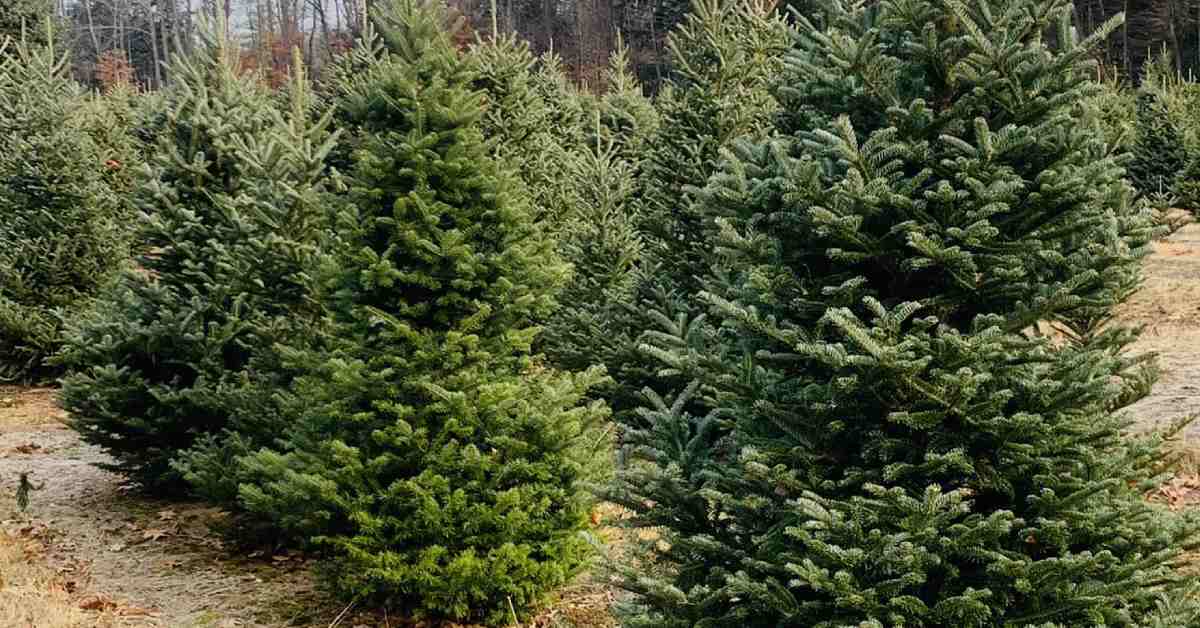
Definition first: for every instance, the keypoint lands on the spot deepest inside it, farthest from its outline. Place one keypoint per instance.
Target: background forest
(132, 36)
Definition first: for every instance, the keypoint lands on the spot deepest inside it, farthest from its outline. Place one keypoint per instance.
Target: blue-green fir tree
(231, 223)
(63, 224)
(895, 444)
(434, 460)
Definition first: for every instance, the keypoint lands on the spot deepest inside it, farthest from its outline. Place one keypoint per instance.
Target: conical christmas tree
(231, 220)
(63, 230)
(1159, 154)
(435, 461)
(901, 447)
(725, 53)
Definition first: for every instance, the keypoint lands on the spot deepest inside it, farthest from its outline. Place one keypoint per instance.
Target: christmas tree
(1159, 154)
(628, 119)
(599, 237)
(725, 53)
(434, 460)
(896, 444)
(25, 21)
(231, 221)
(523, 120)
(62, 226)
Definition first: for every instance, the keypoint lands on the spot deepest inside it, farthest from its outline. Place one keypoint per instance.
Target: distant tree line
(131, 39)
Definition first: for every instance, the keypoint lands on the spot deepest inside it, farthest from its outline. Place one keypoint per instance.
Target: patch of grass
(31, 595)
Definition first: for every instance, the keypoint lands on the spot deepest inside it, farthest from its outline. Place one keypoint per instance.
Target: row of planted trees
(396, 320)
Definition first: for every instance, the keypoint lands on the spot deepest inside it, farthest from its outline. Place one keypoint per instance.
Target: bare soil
(92, 552)
(1168, 306)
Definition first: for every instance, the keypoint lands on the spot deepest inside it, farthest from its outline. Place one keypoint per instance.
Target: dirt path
(159, 564)
(151, 563)
(1169, 306)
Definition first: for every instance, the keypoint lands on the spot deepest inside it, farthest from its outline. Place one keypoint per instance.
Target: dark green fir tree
(25, 20)
(628, 119)
(724, 53)
(523, 121)
(1159, 153)
(435, 460)
(63, 231)
(900, 447)
(231, 222)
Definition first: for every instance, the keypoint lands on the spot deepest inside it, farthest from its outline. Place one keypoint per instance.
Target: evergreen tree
(434, 460)
(599, 237)
(1187, 185)
(900, 447)
(1159, 154)
(628, 119)
(231, 221)
(522, 120)
(25, 21)
(62, 231)
(111, 120)
(724, 53)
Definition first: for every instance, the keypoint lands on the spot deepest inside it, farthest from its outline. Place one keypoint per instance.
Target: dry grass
(21, 408)
(31, 596)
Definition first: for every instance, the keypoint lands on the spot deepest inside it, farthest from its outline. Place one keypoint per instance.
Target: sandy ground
(111, 557)
(1168, 305)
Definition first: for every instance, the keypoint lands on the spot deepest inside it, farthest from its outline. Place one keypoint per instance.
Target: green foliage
(628, 119)
(1158, 153)
(725, 54)
(1113, 109)
(25, 21)
(531, 119)
(888, 442)
(436, 462)
(62, 228)
(111, 121)
(600, 238)
(230, 222)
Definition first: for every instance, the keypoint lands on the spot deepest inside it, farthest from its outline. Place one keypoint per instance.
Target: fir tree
(628, 119)
(25, 21)
(435, 461)
(523, 122)
(724, 53)
(1159, 154)
(230, 220)
(900, 447)
(599, 237)
(62, 231)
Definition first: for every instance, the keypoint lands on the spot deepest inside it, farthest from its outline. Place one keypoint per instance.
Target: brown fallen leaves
(34, 594)
(1182, 491)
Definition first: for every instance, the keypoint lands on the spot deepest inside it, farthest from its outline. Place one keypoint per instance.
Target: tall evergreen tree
(628, 119)
(725, 53)
(523, 120)
(1159, 154)
(901, 448)
(439, 465)
(63, 233)
(231, 222)
(599, 237)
